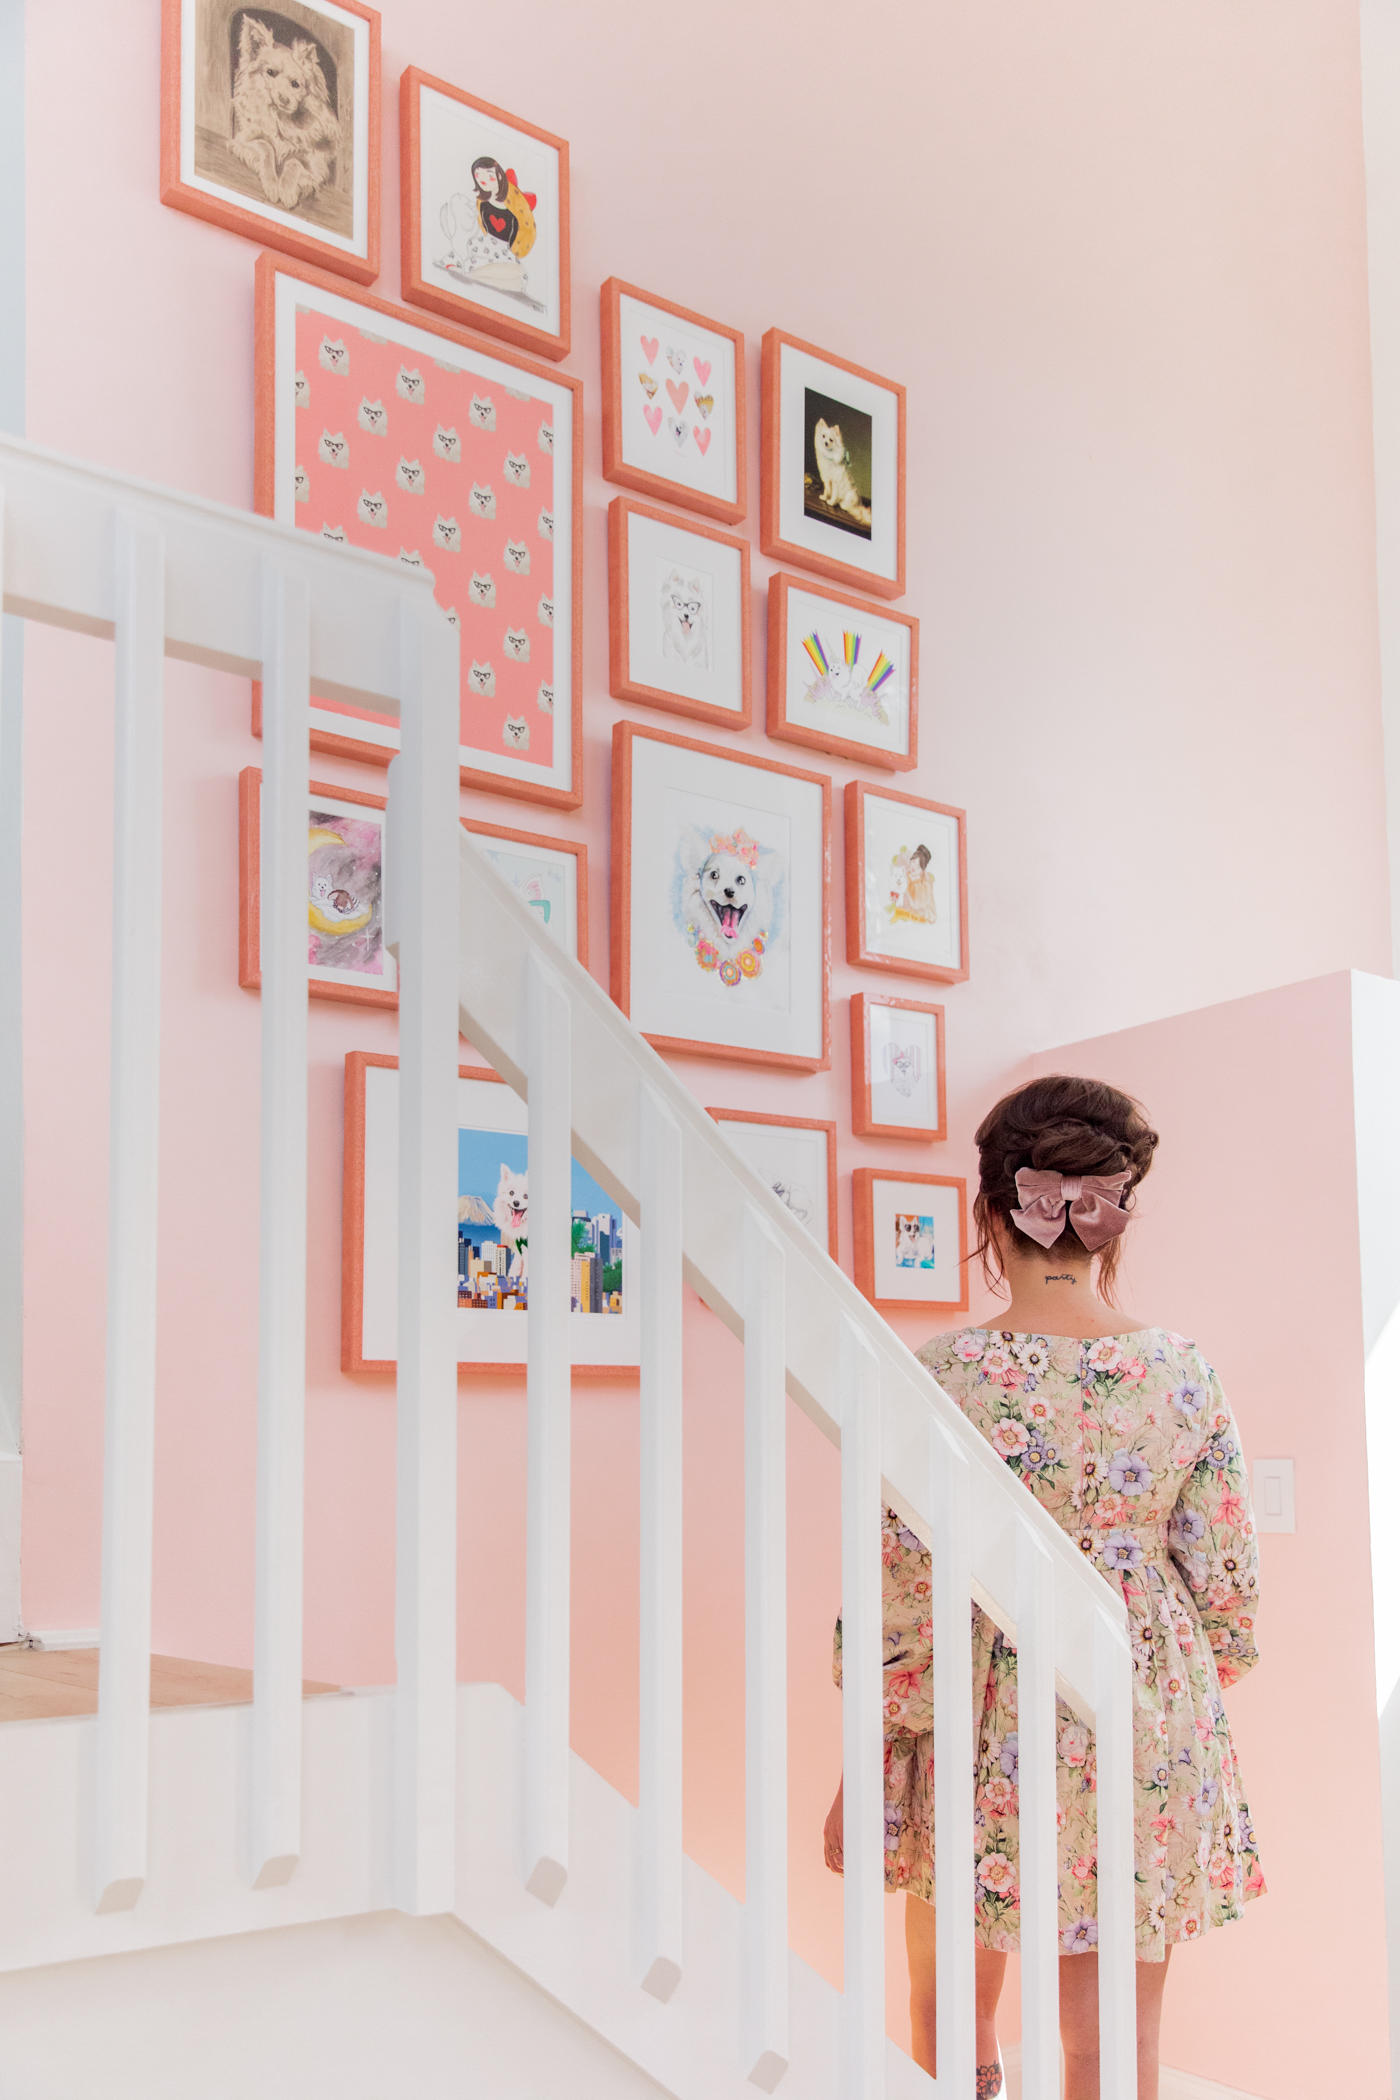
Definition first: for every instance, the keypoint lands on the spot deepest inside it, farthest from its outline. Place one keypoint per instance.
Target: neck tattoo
(1062, 1279)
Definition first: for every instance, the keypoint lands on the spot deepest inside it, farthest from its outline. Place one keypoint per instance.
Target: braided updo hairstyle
(1070, 1126)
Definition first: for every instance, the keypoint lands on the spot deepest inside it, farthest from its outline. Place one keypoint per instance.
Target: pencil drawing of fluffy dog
(834, 466)
(727, 888)
(284, 128)
(510, 1214)
(685, 622)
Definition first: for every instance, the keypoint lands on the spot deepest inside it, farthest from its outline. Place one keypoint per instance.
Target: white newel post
(949, 1502)
(765, 1653)
(423, 873)
(548, 1400)
(275, 1824)
(862, 1723)
(1117, 1885)
(659, 1774)
(124, 1683)
(1040, 1934)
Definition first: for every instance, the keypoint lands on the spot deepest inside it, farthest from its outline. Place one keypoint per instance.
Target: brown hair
(1071, 1126)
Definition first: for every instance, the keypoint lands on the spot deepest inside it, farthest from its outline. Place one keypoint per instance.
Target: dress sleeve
(1213, 1542)
(908, 1649)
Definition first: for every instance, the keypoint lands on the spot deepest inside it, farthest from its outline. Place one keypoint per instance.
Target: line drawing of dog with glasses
(284, 127)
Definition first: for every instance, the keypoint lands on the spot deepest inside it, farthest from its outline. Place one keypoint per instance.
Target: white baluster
(1117, 1887)
(765, 1654)
(953, 1723)
(1040, 1932)
(277, 1624)
(862, 1727)
(659, 1778)
(124, 1682)
(548, 1455)
(423, 876)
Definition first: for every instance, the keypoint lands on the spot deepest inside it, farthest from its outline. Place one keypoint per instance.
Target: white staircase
(141, 1831)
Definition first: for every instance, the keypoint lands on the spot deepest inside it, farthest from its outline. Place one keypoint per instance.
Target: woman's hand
(833, 1835)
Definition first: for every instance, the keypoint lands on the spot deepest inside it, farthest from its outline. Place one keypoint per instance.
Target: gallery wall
(1118, 257)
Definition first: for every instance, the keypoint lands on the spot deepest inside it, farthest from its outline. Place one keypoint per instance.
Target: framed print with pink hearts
(673, 403)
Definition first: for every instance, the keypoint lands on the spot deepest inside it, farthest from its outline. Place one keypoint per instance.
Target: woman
(1122, 1432)
(489, 233)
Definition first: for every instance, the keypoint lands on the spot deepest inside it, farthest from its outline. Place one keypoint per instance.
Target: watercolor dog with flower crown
(728, 897)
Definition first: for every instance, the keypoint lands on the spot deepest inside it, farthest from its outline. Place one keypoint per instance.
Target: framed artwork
(796, 1158)
(843, 676)
(387, 432)
(345, 952)
(721, 940)
(493, 1225)
(906, 884)
(678, 616)
(832, 487)
(897, 1069)
(270, 125)
(485, 199)
(911, 1240)
(550, 874)
(673, 403)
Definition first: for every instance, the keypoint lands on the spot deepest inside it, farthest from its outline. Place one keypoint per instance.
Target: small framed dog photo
(906, 884)
(678, 616)
(550, 874)
(911, 1240)
(390, 431)
(673, 404)
(345, 952)
(843, 676)
(270, 125)
(832, 486)
(493, 1234)
(485, 201)
(796, 1158)
(720, 907)
(897, 1070)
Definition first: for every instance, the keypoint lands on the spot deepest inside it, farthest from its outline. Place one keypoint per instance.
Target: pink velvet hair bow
(1092, 1199)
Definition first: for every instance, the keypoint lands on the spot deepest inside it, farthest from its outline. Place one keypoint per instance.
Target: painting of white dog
(685, 618)
(728, 900)
(274, 93)
(913, 1241)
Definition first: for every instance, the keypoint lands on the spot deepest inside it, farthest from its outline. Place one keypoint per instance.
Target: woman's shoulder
(958, 1355)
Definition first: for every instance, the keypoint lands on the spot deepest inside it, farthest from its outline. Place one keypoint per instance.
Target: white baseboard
(68, 1637)
(1176, 2085)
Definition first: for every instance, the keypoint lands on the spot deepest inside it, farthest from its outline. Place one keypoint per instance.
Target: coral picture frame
(347, 959)
(832, 485)
(394, 432)
(843, 675)
(911, 1240)
(492, 1264)
(674, 417)
(898, 1069)
(906, 884)
(551, 875)
(270, 125)
(680, 623)
(796, 1156)
(493, 256)
(721, 914)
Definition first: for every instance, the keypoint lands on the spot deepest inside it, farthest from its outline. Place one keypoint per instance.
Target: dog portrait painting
(913, 1241)
(274, 94)
(836, 464)
(685, 597)
(728, 901)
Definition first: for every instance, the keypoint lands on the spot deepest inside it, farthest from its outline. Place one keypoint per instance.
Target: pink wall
(1248, 1242)
(1118, 255)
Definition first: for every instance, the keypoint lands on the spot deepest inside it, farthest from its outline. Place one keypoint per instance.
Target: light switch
(1273, 1494)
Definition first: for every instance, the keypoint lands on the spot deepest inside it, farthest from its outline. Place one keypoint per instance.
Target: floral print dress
(1129, 1442)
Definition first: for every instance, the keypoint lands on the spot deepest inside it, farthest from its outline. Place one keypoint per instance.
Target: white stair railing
(808, 1334)
(167, 575)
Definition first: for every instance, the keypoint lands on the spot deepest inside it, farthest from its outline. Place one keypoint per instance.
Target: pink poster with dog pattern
(409, 456)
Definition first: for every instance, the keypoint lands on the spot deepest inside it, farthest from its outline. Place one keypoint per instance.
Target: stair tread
(43, 1684)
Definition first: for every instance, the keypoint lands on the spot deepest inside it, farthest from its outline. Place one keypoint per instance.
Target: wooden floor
(43, 1684)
